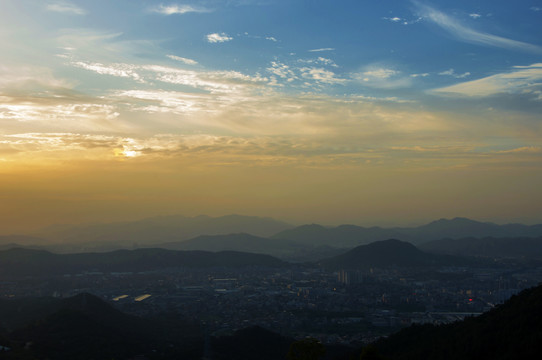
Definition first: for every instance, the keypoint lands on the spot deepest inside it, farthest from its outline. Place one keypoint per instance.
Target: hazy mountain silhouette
(344, 236)
(386, 253)
(510, 331)
(284, 249)
(162, 229)
(26, 262)
(520, 247)
(352, 235)
(9, 241)
(235, 242)
(461, 227)
(167, 230)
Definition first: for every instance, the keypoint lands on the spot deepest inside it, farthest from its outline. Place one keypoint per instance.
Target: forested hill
(510, 331)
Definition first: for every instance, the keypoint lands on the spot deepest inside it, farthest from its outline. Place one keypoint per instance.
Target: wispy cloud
(214, 81)
(523, 149)
(393, 19)
(382, 77)
(178, 9)
(183, 60)
(451, 72)
(282, 70)
(321, 75)
(525, 80)
(218, 37)
(319, 60)
(475, 16)
(402, 21)
(322, 49)
(66, 8)
(470, 35)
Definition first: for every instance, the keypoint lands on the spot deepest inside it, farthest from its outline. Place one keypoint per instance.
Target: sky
(390, 112)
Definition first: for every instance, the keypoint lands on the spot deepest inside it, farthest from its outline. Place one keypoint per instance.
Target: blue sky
(348, 89)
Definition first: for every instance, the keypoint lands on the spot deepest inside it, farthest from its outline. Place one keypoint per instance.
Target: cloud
(218, 38)
(523, 149)
(451, 72)
(322, 49)
(214, 81)
(66, 8)
(183, 60)
(282, 70)
(321, 75)
(526, 80)
(178, 9)
(401, 20)
(467, 34)
(302, 71)
(536, 8)
(118, 70)
(475, 16)
(319, 60)
(271, 38)
(382, 77)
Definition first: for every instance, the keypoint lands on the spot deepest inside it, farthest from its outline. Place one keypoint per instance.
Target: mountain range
(27, 262)
(160, 229)
(352, 235)
(268, 236)
(506, 247)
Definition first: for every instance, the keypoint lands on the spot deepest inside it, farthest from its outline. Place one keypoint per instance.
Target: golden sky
(119, 112)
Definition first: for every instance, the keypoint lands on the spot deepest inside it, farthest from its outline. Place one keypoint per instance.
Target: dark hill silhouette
(85, 327)
(258, 343)
(521, 247)
(386, 253)
(251, 343)
(510, 331)
(25, 262)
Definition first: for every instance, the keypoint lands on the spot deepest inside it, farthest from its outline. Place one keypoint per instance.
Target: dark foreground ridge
(85, 327)
(512, 330)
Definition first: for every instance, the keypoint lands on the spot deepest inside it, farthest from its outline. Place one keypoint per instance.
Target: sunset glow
(381, 113)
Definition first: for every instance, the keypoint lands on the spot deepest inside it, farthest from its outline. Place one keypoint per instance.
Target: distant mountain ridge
(248, 242)
(251, 234)
(27, 262)
(506, 247)
(341, 236)
(352, 235)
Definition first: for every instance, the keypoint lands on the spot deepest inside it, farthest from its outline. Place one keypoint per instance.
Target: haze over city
(373, 113)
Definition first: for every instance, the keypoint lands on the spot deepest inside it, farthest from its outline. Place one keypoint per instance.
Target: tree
(306, 349)
(370, 353)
